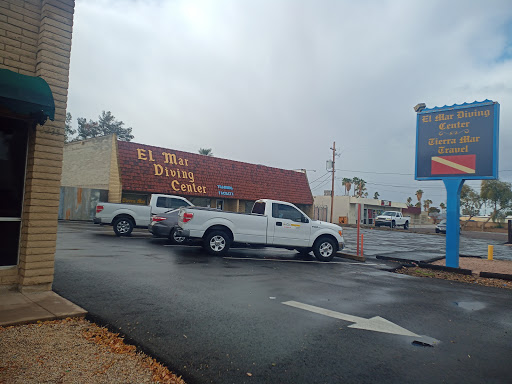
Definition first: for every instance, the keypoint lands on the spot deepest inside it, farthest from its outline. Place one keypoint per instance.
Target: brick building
(129, 172)
(35, 46)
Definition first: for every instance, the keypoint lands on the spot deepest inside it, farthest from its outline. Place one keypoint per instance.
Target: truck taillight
(187, 217)
(158, 218)
(99, 208)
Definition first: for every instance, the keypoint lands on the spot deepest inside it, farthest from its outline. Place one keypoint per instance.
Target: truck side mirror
(305, 219)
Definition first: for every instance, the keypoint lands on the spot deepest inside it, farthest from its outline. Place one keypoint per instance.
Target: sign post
(456, 143)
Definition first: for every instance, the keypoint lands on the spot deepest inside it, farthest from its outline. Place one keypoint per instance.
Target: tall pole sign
(454, 144)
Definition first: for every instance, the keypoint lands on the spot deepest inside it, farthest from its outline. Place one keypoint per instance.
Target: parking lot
(265, 315)
(386, 242)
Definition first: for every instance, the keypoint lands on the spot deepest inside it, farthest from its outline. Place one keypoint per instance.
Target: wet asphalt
(222, 320)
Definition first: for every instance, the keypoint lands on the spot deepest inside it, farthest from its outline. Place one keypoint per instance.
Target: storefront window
(13, 155)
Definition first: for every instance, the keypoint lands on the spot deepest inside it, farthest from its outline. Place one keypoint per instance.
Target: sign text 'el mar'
(458, 142)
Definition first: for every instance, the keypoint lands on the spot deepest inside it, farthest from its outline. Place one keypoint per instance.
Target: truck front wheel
(217, 242)
(123, 226)
(324, 249)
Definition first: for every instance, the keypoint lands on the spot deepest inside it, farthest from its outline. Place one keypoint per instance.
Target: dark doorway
(13, 156)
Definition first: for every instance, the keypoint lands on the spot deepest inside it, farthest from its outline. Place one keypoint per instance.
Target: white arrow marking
(376, 324)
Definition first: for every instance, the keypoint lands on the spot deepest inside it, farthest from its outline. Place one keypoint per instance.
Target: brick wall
(35, 40)
(86, 163)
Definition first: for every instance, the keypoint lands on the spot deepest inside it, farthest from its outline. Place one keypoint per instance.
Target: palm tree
(418, 205)
(359, 187)
(442, 206)
(355, 181)
(347, 183)
(419, 194)
(426, 204)
(205, 151)
(376, 195)
(409, 201)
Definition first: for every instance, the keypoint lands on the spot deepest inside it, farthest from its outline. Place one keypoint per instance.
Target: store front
(131, 172)
(24, 102)
(34, 73)
(13, 155)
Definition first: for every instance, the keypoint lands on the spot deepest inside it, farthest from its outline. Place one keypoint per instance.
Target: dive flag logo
(453, 165)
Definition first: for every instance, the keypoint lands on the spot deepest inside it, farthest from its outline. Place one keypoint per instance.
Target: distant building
(105, 169)
(345, 209)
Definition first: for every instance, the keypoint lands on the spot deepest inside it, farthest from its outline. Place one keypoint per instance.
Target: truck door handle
(279, 224)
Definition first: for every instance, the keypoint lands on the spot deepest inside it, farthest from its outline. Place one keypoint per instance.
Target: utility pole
(333, 167)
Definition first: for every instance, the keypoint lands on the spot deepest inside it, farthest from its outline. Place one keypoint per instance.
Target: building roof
(161, 170)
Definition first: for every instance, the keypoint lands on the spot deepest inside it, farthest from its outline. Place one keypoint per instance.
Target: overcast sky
(277, 82)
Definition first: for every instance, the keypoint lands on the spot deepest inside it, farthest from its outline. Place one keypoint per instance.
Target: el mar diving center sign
(460, 141)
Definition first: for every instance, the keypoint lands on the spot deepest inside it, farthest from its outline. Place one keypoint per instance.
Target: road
(261, 316)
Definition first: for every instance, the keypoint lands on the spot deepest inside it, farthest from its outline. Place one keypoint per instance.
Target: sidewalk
(22, 308)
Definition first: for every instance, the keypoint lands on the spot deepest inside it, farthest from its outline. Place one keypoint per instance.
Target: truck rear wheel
(173, 239)
(217, 242)
(406, 225)
(123, 226)
(324, 249)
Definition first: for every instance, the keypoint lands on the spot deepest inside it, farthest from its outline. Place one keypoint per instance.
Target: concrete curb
(493, 275)
(405, 260)
(351, 256)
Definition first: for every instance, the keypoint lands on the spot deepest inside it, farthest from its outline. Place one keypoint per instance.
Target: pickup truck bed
(125, 217)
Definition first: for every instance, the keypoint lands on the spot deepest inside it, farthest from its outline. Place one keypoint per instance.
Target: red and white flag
(453, 165)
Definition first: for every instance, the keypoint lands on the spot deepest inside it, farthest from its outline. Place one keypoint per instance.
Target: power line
(377, 173)
(397, 173)
(319, 178)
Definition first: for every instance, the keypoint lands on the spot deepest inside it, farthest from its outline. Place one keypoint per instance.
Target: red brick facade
(159, 170)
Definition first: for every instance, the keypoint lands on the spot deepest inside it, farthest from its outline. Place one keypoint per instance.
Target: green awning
(26, 95)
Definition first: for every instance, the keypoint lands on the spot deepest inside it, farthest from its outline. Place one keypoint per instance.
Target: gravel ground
(476, 265)
(74, 351)
(481, 265)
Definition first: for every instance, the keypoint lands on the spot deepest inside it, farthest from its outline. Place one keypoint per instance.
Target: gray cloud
(276, 82)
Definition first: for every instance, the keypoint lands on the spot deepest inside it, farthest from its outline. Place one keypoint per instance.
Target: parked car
(392, 219)
(164, 225)
(125, 217)
(441, 227)
(270, 224)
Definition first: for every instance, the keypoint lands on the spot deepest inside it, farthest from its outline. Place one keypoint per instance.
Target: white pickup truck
(272, 223)
(125, 217)
(392, 219)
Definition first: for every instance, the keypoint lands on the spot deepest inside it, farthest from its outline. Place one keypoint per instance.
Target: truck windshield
(388, 213)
